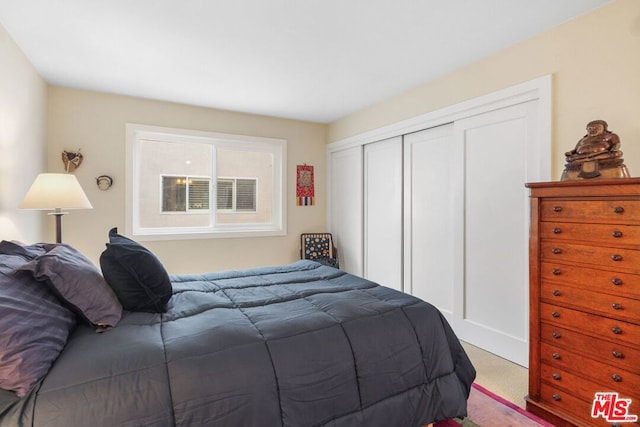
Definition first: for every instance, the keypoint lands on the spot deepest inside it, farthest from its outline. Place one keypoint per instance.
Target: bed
(303, 344)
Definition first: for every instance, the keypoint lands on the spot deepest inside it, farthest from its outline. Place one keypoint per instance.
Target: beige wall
(595, 63)
(95, 124)
(22, 144)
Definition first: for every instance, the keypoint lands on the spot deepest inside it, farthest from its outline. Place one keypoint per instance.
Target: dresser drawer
(597, 280)
(560, 400)
(612, 306)
(563, 400)
(617, 355)
(577, 385)
(610, 211)
(608, 234)
(616, 259)
(597, 326)
(611, 378)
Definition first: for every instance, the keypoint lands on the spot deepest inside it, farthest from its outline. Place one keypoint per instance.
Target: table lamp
(56, 191)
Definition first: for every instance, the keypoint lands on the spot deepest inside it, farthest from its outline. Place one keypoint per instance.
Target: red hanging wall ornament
(305, 191)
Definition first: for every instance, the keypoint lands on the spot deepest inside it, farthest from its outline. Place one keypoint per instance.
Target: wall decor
(71, 160)
(596, 155)
(305, 191)
(104, 182)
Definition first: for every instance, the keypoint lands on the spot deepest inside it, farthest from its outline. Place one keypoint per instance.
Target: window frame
(278, 147)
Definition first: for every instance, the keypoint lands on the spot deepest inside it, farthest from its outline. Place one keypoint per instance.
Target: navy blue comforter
(296, 345)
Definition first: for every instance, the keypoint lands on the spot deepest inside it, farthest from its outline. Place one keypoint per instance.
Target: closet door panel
(345, 207)
(383, 212)
(491, 290)
(429, 226)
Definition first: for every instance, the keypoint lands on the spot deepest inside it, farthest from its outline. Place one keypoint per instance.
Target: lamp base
(58, 214)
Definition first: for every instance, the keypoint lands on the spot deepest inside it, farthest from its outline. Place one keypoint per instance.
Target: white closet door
(493, 152)
(345, 207)
(465, 209)
(383, 212)
(429, 219)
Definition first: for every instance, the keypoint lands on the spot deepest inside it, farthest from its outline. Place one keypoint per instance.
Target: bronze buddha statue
(597, 154)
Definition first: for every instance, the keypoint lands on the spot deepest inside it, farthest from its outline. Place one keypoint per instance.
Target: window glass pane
(198, 194)
(163, 171)
(253, 174)
(174, 194)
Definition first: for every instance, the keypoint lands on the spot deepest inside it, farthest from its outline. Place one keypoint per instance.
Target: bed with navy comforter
(296, 345)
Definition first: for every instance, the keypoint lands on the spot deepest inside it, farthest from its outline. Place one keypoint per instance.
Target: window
(185, 194)
(236, 195)
(191, 184)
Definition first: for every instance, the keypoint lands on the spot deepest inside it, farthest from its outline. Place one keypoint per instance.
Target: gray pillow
(79, 284)
(34, 325)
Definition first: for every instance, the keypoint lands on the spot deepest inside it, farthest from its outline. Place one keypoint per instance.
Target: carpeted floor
(497, 396)
(486, 409)
(500, 376)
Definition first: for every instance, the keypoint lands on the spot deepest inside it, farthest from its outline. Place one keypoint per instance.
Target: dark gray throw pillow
(79, 284)
(135, 274)
(34, 325)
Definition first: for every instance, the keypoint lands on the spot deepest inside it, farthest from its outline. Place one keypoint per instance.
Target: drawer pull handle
(555, 314)
(616, 306)
(616, 330)
(556, 251)
(556, 397)
(616, 281)
(556, 230)
(556, 272)
(557, 208)
(618, 209)
(617, 378)
(616, 257)
(556, 355)
(556, 376)
(616, 233)
(617, 354)
(556, 293)
(556, 335)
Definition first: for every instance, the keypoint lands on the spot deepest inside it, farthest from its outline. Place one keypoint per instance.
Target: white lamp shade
(52, 191)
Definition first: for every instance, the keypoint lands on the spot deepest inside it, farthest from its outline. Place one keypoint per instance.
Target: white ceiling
(315, 60)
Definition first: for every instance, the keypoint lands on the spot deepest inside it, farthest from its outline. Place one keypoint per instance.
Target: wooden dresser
(584, 300)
